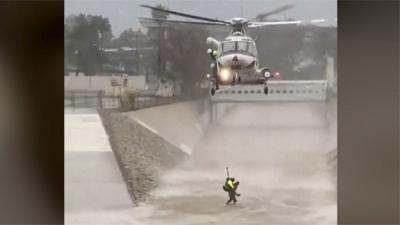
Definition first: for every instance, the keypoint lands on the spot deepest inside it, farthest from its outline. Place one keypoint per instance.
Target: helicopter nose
(235, 60)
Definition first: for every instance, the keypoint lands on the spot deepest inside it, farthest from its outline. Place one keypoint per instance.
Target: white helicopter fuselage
(237, 61)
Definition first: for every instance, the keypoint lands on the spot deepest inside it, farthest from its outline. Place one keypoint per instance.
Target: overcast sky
(123, 14)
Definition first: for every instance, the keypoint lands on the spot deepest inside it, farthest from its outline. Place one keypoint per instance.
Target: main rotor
(237, 24)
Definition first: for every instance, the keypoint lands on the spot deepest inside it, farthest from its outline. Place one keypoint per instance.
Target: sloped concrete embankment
(284, 145)
(141, 154)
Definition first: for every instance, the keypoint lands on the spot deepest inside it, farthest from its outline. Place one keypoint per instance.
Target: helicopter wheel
(266, 90)
(212, 91)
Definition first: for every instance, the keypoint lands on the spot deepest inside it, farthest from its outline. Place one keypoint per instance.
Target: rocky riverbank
(142, 155)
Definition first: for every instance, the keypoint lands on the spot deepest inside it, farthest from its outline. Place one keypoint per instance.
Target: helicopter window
(239, 46)
(251, 48)
(242, 45)
(228, 46)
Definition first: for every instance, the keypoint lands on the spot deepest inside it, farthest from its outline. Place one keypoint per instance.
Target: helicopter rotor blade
(185, 15)
(146, 20)
(262, 16)
(272, 23)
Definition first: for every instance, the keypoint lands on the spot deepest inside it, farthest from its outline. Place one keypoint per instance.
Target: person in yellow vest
(213, 55)
(231, 186)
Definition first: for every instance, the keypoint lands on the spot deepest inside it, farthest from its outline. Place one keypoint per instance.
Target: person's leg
(234, 199)
(231, 197)
(229, 200)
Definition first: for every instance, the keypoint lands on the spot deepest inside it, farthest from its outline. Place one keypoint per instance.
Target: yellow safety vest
(229, 183)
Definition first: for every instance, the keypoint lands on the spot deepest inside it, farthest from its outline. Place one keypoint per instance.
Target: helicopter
(235, 58)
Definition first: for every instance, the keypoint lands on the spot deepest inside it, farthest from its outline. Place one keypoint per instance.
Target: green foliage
(154, 36)
(130, 38)
(186, 53)
(84, 34)
(134, 62)
(297, 52)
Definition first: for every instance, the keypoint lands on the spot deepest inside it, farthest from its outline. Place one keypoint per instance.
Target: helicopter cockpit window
(252, 49)
(242, 46)
(239, 46)
(228, 46)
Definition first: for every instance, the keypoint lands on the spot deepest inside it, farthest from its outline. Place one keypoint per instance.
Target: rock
(142, 155)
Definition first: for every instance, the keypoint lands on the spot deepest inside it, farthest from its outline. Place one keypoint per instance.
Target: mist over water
(278, 153)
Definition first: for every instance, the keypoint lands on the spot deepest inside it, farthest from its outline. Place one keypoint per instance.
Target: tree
(84, 34)
(186, 52)
(131, 60)
(130, 38)
(156, 35)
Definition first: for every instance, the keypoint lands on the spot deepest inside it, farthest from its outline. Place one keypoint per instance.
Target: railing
(90, 99)
(145, 101)
(98, 99)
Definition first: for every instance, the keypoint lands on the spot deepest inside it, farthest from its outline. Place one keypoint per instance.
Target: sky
(123, 14)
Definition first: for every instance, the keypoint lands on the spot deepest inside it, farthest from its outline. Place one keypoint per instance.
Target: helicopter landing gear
(212, 91)
(265, 88)
(214, 87)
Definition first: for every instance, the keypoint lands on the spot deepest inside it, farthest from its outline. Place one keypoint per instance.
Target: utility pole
(137, 52)
(161, 51)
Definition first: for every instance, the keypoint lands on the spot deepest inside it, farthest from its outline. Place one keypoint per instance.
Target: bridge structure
(278, 91)
(282, 90)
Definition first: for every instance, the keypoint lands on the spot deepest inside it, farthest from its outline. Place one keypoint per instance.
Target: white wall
(97, 83)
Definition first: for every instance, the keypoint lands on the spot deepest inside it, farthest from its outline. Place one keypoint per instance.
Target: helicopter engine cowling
(212, 42)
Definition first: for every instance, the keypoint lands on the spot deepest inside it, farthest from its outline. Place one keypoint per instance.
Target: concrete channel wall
(281, 151)
(184, 124)
(165, 154)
